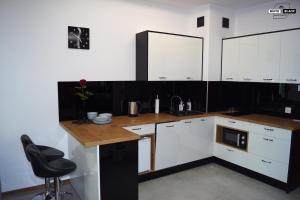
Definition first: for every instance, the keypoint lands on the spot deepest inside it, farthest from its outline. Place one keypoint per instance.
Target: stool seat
(50, 153)
(61, 167)
(48, 169)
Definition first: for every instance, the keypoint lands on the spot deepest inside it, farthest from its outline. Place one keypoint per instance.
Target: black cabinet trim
(288, 187)
(262, 33)
(142, 50)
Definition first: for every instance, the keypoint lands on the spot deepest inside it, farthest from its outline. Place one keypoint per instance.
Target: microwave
(235, 138)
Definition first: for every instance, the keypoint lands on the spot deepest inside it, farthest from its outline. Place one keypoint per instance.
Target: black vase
(83, 112)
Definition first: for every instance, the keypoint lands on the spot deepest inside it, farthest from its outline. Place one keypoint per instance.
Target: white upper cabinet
(230, 61)
(268, 58)
(248, 65)
(290, 57)
(168, 57)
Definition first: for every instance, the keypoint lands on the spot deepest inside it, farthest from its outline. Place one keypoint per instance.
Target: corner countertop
(90, 135)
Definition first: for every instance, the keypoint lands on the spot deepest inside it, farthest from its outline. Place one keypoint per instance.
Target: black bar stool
(49, 153)
(49, 169)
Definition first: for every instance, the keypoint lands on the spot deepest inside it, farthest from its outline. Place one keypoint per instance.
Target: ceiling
(190, 4)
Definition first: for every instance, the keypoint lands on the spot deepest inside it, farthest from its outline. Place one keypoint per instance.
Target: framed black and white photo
(78, 37)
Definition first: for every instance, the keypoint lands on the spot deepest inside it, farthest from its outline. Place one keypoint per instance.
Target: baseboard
(28, 189)
(175, 169)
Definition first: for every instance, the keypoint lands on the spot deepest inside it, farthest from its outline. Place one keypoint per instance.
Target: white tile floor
(211, 182)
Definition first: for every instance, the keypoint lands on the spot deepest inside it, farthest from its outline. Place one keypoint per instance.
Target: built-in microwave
(235, 138)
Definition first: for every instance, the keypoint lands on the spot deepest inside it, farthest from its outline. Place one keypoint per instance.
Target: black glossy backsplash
(264, 98)
(113, 96)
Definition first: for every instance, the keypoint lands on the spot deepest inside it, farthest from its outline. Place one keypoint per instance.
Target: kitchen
(42, 74)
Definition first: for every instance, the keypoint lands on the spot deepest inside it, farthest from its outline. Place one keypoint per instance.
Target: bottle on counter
(180, 106)
(157, 105)
(189, 105)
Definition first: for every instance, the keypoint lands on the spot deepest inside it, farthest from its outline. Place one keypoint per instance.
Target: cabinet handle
(230, 150)
(162, 77)
(203, 120)
(170, 126)
(291, 80)
(233, 122)
(229, 78)
(247, 79)
(266, 162)
(269, 140)
(268, 79)
(188, 78)
(136, 129)
(269, 129)
(188, 122)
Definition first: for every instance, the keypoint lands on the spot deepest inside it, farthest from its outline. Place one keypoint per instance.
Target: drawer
(268, 167)
(272, 131)
(145, 129)
(270, 147)
(232, 123)
(231, 155)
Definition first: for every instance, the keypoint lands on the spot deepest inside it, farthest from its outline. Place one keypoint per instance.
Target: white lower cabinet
(167, 145)
(196, 139)
(144, 153)
(183, 141)
(268, 167)
(231, 155)
(270, 147)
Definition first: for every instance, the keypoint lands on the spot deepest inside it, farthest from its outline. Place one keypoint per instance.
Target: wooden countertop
(92, 134)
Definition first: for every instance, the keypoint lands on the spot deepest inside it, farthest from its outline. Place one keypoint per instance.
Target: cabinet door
(172, 57)
(290, 57)
(167, 145)
(144, 155)
(269, 147)
(230, 61)
(196, 140)
(248, 65)
(230, 154)
(268, 58)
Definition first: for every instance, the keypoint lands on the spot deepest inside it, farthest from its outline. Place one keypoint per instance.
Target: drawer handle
(233, 122)
(266, 162)
(268, 79)
(269, 129)
(188, 78)
(203, 120)
(291, 79)
(162, 77)
(229, 78)
(247, 79)
(269, 140)
(136, 129)
(230, 150)
(170, 126)
(188, 122)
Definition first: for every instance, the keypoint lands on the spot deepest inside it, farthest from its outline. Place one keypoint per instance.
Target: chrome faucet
(171, 108)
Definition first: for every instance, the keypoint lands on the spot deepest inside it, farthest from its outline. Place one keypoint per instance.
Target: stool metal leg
(57, 189)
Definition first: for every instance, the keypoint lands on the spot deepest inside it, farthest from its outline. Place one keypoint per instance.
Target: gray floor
(211, 182)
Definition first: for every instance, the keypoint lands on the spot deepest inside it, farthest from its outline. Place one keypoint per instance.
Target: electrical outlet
(288, 110)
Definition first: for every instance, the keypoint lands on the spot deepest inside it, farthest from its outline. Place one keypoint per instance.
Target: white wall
(256, 19)
(34, 56)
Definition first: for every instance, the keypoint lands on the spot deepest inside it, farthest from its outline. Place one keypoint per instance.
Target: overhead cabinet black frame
(142, 50)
